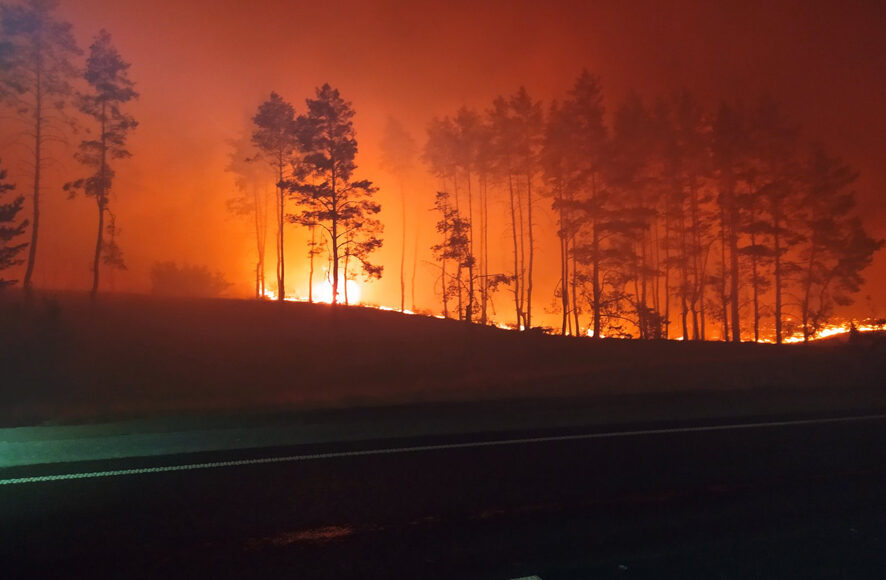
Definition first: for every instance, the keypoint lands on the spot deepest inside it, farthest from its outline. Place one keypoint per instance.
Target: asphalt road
(769, 497)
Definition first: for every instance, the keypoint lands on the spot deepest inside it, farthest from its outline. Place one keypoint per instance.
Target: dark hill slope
(129, 355)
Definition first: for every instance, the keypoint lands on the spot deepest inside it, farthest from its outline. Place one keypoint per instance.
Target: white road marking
(440, 447)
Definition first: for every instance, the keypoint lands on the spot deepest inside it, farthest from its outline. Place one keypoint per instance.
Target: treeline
(673, 220)
(313, 159)
(53, 93)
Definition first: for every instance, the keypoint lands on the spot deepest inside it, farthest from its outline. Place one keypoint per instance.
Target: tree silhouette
(324, 187)
(398, 157)
(503, 147)
(654, 205)
(10, 229)
(449, 153)
(455, 244)
(275, 138)
(589, 146)
(251, 199)
(107, 75)
(38, 51)
(835, 248)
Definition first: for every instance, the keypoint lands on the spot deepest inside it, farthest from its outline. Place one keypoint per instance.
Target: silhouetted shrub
(170, 279)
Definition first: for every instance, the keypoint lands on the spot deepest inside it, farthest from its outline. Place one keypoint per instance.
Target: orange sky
(202, 67)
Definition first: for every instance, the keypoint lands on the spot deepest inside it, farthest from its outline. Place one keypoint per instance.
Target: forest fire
(832, 330)
(518, 288)
(573, 205)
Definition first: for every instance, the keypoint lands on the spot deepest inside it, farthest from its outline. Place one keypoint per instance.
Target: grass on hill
(67, 359)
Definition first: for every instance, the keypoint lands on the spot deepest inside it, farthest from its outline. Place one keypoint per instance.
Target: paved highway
(767, 497)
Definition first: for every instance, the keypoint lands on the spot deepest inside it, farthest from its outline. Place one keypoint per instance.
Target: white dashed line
(420, 448)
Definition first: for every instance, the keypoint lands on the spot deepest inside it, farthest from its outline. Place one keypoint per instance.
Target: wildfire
(837, 329)
(323, 294)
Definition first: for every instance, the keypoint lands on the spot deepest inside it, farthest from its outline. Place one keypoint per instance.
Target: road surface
(768, 497)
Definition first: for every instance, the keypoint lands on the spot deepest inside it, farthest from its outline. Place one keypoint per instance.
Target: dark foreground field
(64, 359)
(238, 439)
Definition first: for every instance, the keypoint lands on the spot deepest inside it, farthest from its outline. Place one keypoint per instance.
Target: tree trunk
(469, 311)
(38, 144)
(484, 250)
(522, 236)
(335, 243)
(564, 265)
(102, 202)
(311, 266)
(345, 272)
(734, 268)
(531, 247)
(281, 265)
(595, 275)
(517, 290)
(597, 291)
(403, 247)
(667, 270)
(776, 246)
(724, 299)
(414, 268)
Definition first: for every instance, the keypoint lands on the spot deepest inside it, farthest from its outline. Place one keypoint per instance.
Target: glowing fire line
(323, 295)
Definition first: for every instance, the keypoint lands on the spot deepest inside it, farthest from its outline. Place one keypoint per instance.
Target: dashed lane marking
(421, 448)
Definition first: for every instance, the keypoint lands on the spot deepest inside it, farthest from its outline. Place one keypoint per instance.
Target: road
(766, 497)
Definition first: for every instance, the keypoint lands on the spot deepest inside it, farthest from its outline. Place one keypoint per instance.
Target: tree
(10, 230)
(505, 163)
(275, 138)
(107, 75)
(835, 248)
(324, 187)
(775, 170)
(688, 215)
(729, 151)
(398, 157)
(528, 119)
(251, 199)
(36, 83)
(588, 150)
(552, 158)
(456, 243)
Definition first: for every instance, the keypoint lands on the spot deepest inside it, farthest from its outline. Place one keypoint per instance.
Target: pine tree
(328, 195)
(252, 198)
(107, 75)
(588, 154)
(275, 138)
(528, 130)
(441, 156)
(835, 248)
(10, 249)
(398, 157)
(455, 245)
(35, 81)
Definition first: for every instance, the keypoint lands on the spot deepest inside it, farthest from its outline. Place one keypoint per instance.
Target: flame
(323, 295)
(837, 329)
(323, 292)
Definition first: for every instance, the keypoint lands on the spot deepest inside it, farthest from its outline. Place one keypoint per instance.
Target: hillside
(65, 359)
